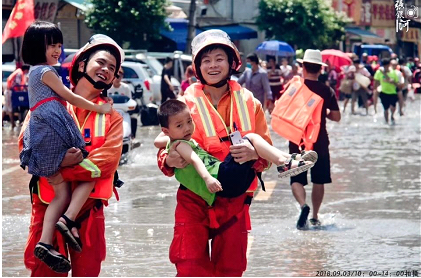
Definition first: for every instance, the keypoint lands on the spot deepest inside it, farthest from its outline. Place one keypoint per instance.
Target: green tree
(133, 23)
(302, 23)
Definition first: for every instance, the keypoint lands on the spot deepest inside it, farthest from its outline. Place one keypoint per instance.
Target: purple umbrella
(275, 48)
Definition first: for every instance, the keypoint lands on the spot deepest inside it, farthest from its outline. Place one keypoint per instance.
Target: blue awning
(180, 27)
(235, 31)
(360, 32)
(365, 35)
(179, 34)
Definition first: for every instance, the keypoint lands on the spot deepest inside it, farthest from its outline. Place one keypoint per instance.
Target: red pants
(92, 233)
(189, 250)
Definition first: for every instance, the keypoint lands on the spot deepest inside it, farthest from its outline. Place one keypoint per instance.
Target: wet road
(371, 213)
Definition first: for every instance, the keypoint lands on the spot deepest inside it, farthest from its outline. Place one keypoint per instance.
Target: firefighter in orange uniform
(218, 106)
(92, 71)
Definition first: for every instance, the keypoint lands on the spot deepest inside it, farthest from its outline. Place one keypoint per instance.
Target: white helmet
(213, 37)
(98, 41)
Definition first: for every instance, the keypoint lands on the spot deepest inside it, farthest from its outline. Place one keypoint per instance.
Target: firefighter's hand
(72, 157)
(174, 159)
(243, 152)
(55, 179)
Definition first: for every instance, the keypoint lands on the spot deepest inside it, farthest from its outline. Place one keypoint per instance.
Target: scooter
(123, 105)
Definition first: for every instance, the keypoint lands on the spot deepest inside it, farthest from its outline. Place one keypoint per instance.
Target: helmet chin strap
(223, 82)
(220, 84)
(100, 85)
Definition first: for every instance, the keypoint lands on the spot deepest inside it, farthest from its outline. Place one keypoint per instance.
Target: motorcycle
(124, 106)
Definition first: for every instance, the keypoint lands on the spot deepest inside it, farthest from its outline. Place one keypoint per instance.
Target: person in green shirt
(387, 78)
(206, 176)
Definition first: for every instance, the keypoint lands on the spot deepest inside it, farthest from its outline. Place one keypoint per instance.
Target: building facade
(67, 14)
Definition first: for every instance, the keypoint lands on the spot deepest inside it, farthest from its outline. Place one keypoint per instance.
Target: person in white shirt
(407, 78)
(120, 88)
(123, 89)
(401, 83)
(358, 90)
(285, 70)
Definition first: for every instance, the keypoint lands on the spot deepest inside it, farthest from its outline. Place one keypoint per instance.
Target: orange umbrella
(336, 58)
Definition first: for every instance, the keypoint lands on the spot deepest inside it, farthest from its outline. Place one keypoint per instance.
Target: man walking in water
(320, 173)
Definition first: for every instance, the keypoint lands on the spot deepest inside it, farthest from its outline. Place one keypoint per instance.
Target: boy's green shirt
(189, 177)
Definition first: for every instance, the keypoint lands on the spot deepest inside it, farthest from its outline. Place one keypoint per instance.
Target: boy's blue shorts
(235, 178)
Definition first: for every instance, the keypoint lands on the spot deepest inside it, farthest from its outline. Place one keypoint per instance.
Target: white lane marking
(10, 170)
(265, 195)
(249, 244)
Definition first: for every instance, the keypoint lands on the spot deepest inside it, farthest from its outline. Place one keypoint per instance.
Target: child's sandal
(306, 156)
(66, 230)
(285, 170)
(57, 263)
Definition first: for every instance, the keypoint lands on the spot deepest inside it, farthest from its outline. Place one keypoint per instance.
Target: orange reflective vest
(94, 129)
(297, 114)
(11, 78)
(210, 130)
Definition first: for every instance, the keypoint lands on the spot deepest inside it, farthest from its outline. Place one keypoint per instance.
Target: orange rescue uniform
(91, 217)
(189, 249)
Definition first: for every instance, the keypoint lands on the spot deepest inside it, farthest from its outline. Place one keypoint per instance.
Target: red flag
(21, 17)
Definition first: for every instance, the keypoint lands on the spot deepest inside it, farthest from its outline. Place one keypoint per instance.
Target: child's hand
(105, 108)
(213, 185)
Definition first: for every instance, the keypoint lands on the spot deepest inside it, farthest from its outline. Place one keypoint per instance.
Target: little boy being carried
(205, 175)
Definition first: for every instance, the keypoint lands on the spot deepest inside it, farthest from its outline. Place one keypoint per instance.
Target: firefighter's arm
(103, 161)
(263, 130)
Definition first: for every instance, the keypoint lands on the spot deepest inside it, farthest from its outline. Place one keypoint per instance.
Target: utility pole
(192, 26)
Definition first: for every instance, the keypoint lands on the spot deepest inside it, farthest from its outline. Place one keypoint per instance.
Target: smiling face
(100, 67)
(180, 126)
(214, 66)
(52, 53)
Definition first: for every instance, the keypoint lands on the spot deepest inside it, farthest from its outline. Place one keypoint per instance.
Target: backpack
(297, 114)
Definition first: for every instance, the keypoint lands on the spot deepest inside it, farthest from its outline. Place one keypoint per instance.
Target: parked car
(154, 69)
(181, 61)
(139, 78)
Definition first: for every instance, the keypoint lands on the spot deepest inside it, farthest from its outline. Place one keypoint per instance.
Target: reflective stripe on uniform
(206, 117)
(243, 111)
(99, 125)
(91, 167)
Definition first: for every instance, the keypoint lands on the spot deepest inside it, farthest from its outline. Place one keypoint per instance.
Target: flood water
(370, 216)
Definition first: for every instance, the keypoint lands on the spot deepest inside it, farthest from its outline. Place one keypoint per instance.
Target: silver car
(154, 69)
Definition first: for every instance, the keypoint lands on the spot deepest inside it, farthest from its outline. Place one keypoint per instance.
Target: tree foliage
(302, 23)
(130, 22)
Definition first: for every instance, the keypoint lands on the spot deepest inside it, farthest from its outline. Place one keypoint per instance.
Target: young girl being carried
(50, 133)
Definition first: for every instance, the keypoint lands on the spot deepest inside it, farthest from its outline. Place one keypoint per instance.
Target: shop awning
(179, 33)
(364, 35)
(80, 4)
(235, 31)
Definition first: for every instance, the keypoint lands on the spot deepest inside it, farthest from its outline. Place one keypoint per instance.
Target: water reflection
(370, 214)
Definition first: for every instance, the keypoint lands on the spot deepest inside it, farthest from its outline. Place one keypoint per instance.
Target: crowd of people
(215, 140)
